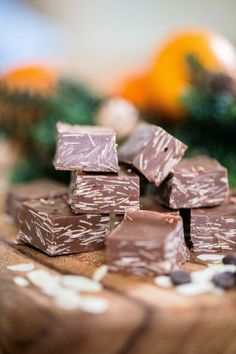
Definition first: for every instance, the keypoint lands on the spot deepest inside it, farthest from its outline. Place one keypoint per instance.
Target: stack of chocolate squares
(194, 188)
(150, 241)
(102, 205)
(198, 187)
(99, 194)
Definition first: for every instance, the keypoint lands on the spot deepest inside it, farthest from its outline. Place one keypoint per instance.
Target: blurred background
(100, 40)
(113, 63)
(109, 37)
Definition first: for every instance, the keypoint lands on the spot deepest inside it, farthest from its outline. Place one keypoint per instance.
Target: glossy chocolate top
(56, 208)
(228, 208)
(40, 188)
(198, 164)
(145, 225)
(149, 203)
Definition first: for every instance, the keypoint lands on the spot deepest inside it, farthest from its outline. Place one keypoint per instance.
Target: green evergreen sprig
(211, 124)
(31, 119)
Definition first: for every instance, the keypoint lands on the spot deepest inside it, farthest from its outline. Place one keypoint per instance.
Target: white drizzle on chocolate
(85, 148)
(152, 151)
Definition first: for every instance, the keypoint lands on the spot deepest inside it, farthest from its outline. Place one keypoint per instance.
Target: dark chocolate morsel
(179, 277)
(230, 259)
(225, 280)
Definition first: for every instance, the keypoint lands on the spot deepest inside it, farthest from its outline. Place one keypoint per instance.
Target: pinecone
(214, 82)
(219, 82)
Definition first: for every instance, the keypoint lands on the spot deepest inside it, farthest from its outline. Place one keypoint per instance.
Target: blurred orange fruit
(169, 75)
(33, 79)
(134, 89)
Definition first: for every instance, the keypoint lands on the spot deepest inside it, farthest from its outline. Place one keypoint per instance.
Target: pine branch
(32, 119)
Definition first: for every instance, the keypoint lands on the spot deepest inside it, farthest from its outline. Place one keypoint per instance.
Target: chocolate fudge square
(194, 183)
(147, 243)
(37, 189)
(105, 193)
(152, 151)
(55, 230)
(211, 230)
(85, 148)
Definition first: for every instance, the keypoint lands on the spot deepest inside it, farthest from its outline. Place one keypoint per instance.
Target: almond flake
(44, 280)
(206, 274)
(100, 273)
(22, 267)
(191, 289)
(20, 281)
(211, 257)
(163, 281)
(67, 300)
(80, 283)
(95, 305)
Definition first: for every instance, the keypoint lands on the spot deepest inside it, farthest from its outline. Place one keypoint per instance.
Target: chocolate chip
(225, 280)
(179, 277)
(230, 259)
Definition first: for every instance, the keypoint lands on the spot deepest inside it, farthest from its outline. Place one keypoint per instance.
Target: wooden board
(141, 318)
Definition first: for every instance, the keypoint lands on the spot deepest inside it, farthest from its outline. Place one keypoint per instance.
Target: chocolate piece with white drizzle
(85, 148)
(194, 183)
(44, 189)
(147, 243)
(212, 230)
(55, 230)
(104, 193)
(152, 151)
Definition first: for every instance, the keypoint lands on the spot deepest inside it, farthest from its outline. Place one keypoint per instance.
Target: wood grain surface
(141, 318)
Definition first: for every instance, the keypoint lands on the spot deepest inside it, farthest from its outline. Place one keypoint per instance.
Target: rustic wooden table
(141, 318)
